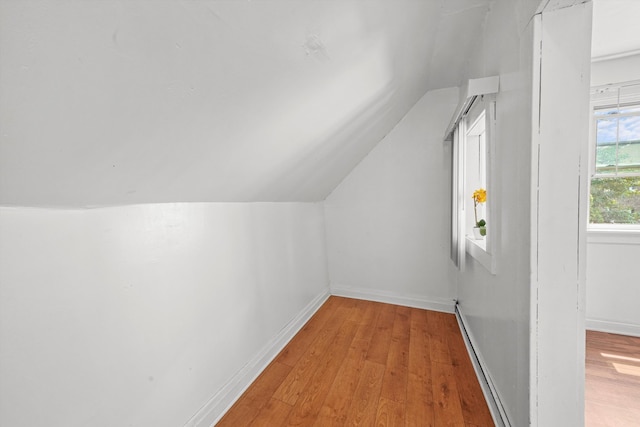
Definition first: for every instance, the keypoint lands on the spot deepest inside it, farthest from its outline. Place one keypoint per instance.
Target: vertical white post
(559, 197)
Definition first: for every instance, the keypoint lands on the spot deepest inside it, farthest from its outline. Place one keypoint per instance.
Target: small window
(472, 135)
(615, 181)
(478, 213)
(475, 164)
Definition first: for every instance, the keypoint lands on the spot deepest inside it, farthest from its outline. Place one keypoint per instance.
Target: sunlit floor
(612, 389)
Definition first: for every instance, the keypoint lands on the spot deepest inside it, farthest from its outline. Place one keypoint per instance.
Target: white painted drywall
(496, 307)
(137, 316)
(136, 101)
(528, 318)
(387, 232)
(559, 208)
(613, 274)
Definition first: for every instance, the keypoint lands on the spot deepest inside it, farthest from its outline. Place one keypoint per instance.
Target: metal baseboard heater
(496, 408)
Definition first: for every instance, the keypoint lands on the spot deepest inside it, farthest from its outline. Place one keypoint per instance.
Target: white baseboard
(491, 395)
(219, 404)
(435, 304)
(613, 327)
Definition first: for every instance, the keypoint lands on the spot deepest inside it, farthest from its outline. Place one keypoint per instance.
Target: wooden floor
(612, 388)
(365, 363)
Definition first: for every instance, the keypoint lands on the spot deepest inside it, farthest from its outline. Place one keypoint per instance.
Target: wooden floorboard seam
(366, 363)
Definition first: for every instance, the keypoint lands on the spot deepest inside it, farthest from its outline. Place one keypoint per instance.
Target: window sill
(613, 235)
(477, 249)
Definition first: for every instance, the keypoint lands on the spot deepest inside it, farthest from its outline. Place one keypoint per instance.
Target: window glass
(618, 144)
(629, 144)
(617, 110)
(475, 164)
(615, 200)
(606, 148)
(632, 109)
(615, 183)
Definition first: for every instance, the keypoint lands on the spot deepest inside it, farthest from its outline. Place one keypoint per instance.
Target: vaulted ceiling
(136, 101)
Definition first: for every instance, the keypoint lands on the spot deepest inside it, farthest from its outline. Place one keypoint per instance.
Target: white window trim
(480, 254)
(484, 251)
(462, 244)
(593, 142)
(613, 234)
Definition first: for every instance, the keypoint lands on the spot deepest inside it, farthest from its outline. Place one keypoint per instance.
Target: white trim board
(219, 403)
(435, 304)
(491, 395)
(613, 327)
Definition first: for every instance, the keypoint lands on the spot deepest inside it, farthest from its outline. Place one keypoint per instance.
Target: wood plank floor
(364, 363)
(612, 388)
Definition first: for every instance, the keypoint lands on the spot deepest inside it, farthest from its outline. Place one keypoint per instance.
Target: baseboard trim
(613, 327)
(219, 403)
(491, 395)
(435, 304)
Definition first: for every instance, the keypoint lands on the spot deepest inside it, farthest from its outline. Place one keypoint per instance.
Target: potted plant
(480, 229)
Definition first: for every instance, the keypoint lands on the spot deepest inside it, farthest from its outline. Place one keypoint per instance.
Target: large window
(615, 182)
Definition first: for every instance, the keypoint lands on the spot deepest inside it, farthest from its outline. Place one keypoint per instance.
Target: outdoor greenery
(615, 201)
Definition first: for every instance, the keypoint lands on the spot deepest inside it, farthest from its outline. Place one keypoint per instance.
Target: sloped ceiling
(137, 101)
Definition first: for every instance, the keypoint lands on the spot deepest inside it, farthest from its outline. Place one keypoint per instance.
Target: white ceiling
(616, 26)
(137, 101)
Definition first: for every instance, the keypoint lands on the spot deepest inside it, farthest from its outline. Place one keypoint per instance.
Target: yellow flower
(480, 195)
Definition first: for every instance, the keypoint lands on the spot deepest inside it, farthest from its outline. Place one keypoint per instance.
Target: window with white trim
(472, 134)
(477, 224)
(615, 169)
(475, 175)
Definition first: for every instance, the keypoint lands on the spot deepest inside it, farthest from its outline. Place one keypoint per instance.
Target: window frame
(594, 143)
(471, 92)
(483, 251)
(602, 232)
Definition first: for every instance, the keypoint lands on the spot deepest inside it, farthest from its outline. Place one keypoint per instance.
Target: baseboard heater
(490, 394)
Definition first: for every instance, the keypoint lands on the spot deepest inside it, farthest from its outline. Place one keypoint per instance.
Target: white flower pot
(476, 233)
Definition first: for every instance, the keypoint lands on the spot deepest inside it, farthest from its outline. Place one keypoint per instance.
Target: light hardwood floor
(364, 363)
(612, 388)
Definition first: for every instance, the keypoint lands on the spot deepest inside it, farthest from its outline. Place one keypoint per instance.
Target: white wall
(496, 307)
(138, 315)
(613, 274)
(387, 222)
(533, 302)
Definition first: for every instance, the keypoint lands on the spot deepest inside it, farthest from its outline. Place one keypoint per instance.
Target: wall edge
(215, 408)
(436, 304)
